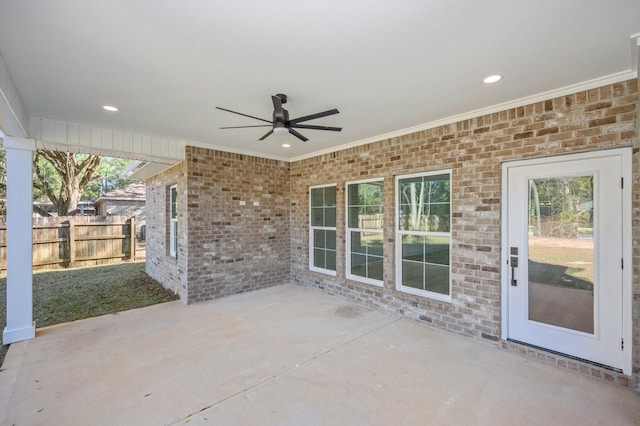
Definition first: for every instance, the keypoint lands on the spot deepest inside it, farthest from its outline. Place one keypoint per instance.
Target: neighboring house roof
(134, 192)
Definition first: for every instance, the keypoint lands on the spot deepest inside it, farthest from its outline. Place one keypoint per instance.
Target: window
(423, 233)
(173, 221)
(364, 231)
(322, 229)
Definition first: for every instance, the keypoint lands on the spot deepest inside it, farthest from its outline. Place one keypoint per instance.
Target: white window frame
(312, 228)
(348, 231)
(399, 234)
(173, 222)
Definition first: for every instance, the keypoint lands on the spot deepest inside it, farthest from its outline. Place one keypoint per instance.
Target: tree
(62, 177)
(107, 177)
(559, 206)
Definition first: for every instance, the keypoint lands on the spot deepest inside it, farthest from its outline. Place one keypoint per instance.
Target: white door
(564, 255)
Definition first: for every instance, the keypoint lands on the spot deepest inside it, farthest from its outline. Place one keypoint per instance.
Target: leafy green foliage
(559, 206)
(66, 178)
(106, 178)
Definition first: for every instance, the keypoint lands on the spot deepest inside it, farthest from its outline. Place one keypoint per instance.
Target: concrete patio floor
(286, 356)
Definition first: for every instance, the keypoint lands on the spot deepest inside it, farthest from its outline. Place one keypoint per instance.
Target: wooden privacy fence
(77, 241)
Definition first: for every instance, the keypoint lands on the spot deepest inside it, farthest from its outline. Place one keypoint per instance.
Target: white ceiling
(386, 65)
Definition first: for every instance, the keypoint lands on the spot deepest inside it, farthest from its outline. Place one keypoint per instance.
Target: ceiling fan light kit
(281, 123)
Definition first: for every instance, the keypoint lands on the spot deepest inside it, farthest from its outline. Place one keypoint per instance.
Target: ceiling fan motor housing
(277, 122)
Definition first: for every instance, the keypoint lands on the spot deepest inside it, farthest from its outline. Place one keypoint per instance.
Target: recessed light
(492, 78)
(110, 108)
(285, 145)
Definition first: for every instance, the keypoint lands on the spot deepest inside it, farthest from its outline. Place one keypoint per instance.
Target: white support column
(20, 325)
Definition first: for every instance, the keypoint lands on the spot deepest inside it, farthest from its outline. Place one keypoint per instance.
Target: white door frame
(627, 272)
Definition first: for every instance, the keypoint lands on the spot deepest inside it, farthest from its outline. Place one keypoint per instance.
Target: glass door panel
(561, 252)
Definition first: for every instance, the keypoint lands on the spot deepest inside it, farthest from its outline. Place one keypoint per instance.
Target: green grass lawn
(71, 294)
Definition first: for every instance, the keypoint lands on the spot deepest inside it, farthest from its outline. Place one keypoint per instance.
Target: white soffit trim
(64, 136)
(146, 170)
(13, 119)
(563, 91)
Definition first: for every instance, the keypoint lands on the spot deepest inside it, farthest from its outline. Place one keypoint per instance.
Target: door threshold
(575, 358)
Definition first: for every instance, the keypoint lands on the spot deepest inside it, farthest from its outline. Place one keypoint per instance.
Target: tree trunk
(74, 174)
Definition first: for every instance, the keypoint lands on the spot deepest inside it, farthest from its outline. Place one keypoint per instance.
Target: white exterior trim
(13, 119)
(20, 325)
(311, 228)
(627, 242)
(63, 136)
(347, 238)
(398, 241)
(173, 223)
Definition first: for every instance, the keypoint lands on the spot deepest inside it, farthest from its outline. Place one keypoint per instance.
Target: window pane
(330, 196)
(354, 220)
(438, 188)
(330, 237)
(437, 250)
(375, 268)
(413, 247)
(330, 217)
(331, 260)
(421, 197)
(319, 258)
(359, 265)
(357, 245)
(413, 274)
(374, 193)
(437, 278)
(562, 252)
(319, 238)
(437, 217)
(373, 241)
(365, 201)
(373, 210)
(323, 214)
(174, 202)
(317, 197)
(317, 216)
(175, 236)
(354, 196)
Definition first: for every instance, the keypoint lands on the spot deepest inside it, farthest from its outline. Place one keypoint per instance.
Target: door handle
(514, 265)
(513, 262)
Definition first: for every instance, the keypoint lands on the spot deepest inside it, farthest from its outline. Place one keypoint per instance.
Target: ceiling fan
(281, 122)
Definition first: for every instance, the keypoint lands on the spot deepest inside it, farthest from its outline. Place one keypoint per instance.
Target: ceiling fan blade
(298, 135)
(278, 114)
(246, 115)
(309, 126)
(314, 116)
(244, 127)
(266, 135)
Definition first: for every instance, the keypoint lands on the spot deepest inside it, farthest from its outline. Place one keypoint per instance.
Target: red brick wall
(232, 247)
(473, 149)
(169, 271)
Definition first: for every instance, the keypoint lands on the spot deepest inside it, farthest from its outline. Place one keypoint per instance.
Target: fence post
(72, 243)
(132, 238)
